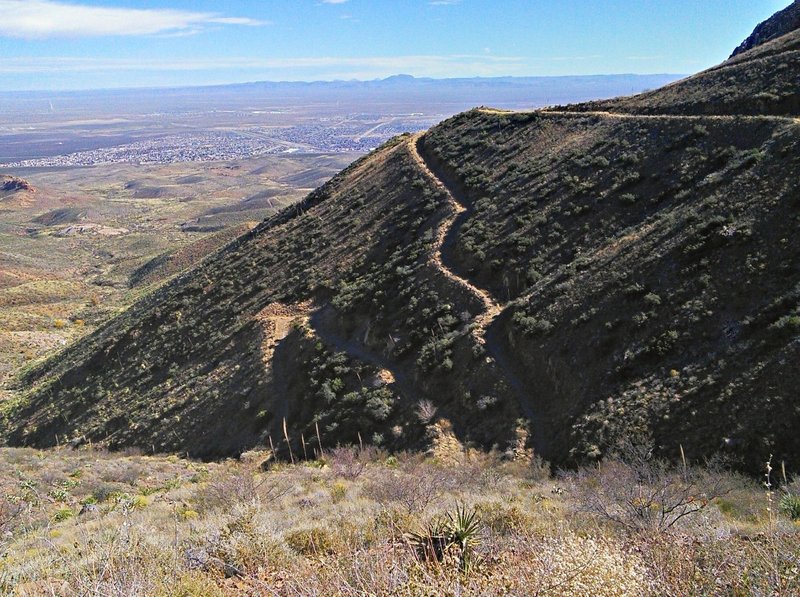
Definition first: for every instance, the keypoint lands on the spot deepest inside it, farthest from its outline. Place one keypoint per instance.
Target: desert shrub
(338, 492)
(574, 565)
(63, 514)
(413, 487)
(314, 541)
(532, 326)
(9, 513)
(381, 570)
(193, 584)
(539, 469)
(104, 491)
(122, 472)
(425, 411)
(238, 487)
(502, 518)
(244, 545)
(641, 492)
(347, 462)
(790, 505)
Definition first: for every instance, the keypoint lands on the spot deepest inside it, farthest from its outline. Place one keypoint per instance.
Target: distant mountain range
(449, 95)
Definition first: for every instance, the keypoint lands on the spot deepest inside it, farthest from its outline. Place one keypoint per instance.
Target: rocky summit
(781, 23)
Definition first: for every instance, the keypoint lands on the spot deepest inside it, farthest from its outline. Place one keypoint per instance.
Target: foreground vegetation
(361, 521)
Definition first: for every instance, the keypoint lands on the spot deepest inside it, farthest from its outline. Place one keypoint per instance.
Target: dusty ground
(69, 248)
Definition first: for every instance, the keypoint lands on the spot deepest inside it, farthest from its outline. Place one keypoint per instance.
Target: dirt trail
(631, 116)
(446, 227)
(492, 309)
(276, 321)
(387, 370)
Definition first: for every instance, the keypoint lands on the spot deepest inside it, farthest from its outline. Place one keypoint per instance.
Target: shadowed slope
(185, 368)
(624, 244)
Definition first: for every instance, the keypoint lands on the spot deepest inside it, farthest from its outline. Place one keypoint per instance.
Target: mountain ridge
(603, 270)
(779, 24)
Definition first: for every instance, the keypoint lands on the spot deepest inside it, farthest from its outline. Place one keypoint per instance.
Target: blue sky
(82, 44)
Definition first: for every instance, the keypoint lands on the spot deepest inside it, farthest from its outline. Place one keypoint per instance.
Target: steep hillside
(618, 269)
(215, 360)
(651, 269)
(762, 80)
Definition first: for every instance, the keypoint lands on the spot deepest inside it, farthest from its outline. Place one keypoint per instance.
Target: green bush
(313, 541)
(790, 505)
(63, 514)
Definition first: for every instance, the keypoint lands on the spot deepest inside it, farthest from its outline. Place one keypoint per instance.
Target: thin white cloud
(50, 18)
(235, 21)
(444, 2)
(334, 1)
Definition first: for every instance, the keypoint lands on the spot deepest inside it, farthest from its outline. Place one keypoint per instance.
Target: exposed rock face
(779, 24)
(12, 184)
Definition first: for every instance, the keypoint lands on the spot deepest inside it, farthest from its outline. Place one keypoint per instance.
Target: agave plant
(453, 535)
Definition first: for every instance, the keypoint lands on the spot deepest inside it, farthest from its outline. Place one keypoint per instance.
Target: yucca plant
(454, 535)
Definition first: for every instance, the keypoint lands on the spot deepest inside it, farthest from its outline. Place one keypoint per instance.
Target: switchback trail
(492, 309)
(277, 320)
(445, 233)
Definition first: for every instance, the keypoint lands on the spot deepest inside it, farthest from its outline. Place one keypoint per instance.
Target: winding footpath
(492, 309)
(318, 321)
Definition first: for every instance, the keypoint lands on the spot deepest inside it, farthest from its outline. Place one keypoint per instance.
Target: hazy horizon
(300, 82)
(53, 45)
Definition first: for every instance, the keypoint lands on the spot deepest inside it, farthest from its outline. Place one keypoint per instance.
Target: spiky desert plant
(455, 534)
(464, 527)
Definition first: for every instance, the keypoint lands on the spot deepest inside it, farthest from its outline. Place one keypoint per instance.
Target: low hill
(607, 270)
(12, 184)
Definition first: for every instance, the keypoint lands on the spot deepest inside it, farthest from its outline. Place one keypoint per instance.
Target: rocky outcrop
(779, 24)
(11, 184)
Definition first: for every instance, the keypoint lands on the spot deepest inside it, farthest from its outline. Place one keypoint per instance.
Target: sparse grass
(237, 529)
